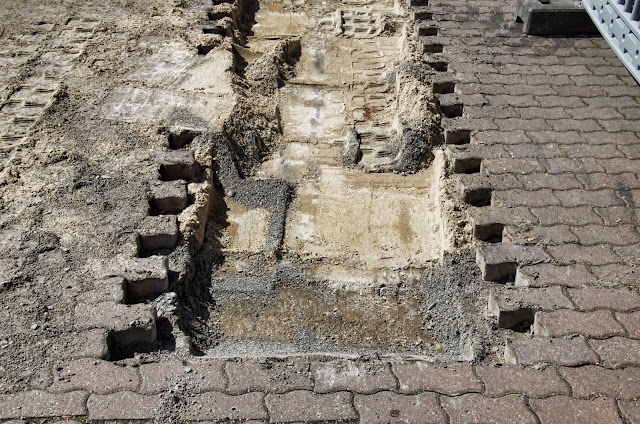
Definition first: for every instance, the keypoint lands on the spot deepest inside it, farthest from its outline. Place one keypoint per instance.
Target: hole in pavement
(327, 232)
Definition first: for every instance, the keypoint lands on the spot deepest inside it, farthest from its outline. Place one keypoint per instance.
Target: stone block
(168, 197)
(177, 165)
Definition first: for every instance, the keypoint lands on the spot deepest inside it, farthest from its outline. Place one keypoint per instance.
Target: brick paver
(385, 407)
(563, 409)
(475, 408)
(417, 377)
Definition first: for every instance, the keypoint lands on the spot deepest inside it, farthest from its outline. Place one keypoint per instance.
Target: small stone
(187, 370)
(34, 327)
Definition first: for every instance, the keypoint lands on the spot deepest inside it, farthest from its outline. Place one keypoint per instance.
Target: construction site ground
(314, 211)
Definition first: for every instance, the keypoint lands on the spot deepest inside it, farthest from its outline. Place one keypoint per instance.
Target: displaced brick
(122, 406)
(415, 377)
(590, 381)
(563, 409)
(476, 408)
(95, 375)
(617, 351)
(507, 379)
(196, 377)
(218, 406)
(268, 376)
(300, 406)
(622, 299)
(358, 377)
(547, 350)
(386, 407)
(564, 322)
(499, 262)
(129, 324)
(36, 403)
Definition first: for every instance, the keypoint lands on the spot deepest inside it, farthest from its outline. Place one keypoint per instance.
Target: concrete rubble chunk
(159, 232)
(499, 261)
(169, 197)
(129, 324)
(513, 306)
(176, 164)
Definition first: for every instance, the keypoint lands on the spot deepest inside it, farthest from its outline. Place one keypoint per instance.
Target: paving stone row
(297, 390)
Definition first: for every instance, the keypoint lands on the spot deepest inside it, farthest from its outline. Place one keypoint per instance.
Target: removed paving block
(169, 197)
(128, 324)
(513, 306)
(159, 232)
(177, 164)
(500, 261)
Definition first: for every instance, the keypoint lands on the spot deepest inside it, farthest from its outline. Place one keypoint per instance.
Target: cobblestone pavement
(546, 144)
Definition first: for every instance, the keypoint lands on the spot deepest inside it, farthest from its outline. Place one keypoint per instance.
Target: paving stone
(129, 324)
(547, 350)
(499, 261)
(513, 306)
(358, 377)
(563, 322)
(617, 351)
(111, 289)
(169, 197)
(616, 275)
(534, 199)
(576, 253)
(415, 377)
(308, 406)
(597, 198)
(144, 276)
(196, 377)
(218, 406)
(159, 232)
(507, 379)
(475, 189)
(547, 236)
(542, 275)
(563, 409)
(488, 222)
(572, 165)
(556, 182)
(622, 299)
(269, 376)
(511, 166)
(476, 408)
(122, 406)
(620, 235)
(95, 375)
(94, 344)
(630, 410)
(386, 407)
(37, 403)
(558, 215)
(176, 164)
(590, 381)
(631, 322)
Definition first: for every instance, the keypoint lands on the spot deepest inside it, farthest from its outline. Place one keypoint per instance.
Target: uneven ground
(287, 212)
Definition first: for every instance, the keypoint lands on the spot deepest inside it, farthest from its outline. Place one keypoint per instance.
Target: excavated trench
(329, 229)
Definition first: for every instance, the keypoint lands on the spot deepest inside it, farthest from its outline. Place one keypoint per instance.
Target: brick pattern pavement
(544, 142)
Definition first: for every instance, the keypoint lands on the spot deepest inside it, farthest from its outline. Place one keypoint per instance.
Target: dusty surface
(319, 214)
